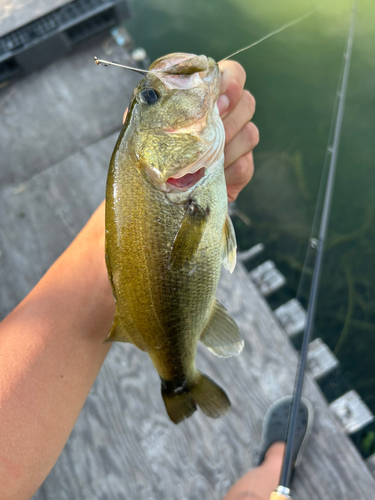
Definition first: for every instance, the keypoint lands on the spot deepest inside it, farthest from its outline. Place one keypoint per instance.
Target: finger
(232, 83)
(242, 114)
(244, 142)
(238, 175)
(124, 117)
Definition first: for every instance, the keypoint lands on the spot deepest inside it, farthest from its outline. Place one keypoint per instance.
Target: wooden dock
(58, 128)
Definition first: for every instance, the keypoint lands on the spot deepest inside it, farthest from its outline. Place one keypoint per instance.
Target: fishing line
(333, 151)
(278, 30)
(102, 62)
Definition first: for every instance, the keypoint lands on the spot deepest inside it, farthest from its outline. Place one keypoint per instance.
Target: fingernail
(223, 103)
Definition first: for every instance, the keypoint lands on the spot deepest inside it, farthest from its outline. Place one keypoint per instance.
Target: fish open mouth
(187, 181)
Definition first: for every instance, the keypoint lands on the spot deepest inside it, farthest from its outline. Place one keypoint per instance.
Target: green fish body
(168, 230)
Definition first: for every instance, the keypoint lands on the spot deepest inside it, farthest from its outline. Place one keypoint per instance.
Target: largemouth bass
(168, 230)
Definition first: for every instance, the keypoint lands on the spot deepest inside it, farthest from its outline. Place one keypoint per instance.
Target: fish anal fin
(117, 333)
(229, 245)
(188, 236)
(221, 334)
(121, 331)
(110, 275)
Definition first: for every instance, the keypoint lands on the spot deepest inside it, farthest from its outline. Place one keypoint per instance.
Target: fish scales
(165, 239)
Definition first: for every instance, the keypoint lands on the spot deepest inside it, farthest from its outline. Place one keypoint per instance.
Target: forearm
(51, 350)
(51, 346)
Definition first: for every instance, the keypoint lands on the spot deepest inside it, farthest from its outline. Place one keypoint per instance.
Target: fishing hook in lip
(102, 62)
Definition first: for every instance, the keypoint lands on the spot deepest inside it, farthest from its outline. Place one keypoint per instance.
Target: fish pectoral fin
(120, 332)
(188, 236)
(221, 334)
(229, 253)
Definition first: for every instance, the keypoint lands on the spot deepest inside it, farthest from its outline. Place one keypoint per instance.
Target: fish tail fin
(210, 397)
(179, 406)
(203, 392)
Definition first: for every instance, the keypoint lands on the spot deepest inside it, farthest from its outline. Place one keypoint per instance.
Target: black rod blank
(333, 150)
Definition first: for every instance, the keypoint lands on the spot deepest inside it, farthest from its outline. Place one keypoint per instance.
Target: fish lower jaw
(187, 181)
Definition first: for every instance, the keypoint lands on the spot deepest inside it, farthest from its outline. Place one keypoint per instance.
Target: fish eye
(148, 96)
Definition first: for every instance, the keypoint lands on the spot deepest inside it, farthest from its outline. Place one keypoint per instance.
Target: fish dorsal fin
(188, 236)
(221, 334)
(229, 245)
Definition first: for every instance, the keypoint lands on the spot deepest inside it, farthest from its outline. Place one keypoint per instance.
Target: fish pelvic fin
(221, 334)
(188, 236)
(182, 402)
(229, 253)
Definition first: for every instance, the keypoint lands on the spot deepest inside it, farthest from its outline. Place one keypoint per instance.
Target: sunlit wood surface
(58, 128)
(17, 14)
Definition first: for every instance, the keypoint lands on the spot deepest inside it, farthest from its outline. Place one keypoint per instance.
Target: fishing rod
(283, 490)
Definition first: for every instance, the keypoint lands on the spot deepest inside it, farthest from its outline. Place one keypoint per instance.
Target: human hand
(236, 107)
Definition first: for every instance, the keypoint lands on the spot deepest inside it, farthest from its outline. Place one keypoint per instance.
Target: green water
(294, 77)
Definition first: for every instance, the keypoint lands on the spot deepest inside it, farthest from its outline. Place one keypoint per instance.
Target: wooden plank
(292, 316)
(251, 253)
(267, 278)
(123, 444)
(60, 110)
(320, 359)
(40, 217)
(16, 14)
(370, 461)
(351, 412)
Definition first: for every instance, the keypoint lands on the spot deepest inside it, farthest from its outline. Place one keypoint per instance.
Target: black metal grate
(61, 18)
(93, 25)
